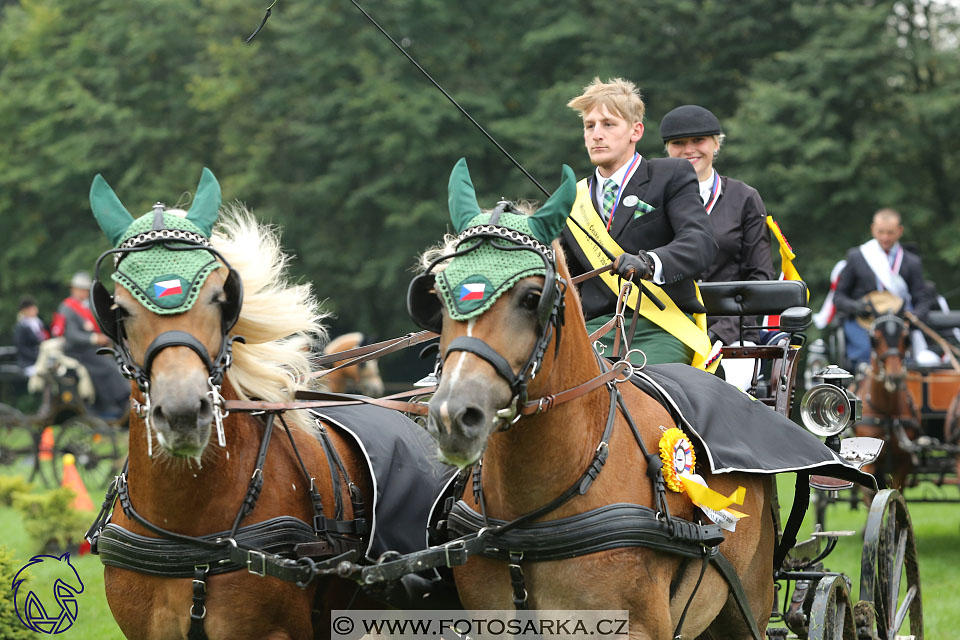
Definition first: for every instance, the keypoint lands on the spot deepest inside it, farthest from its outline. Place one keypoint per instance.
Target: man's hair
(890, 215)
(25, 302)
(620, 96)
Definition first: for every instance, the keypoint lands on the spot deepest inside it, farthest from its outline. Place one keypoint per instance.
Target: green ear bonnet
(498, 248)
(161, 278)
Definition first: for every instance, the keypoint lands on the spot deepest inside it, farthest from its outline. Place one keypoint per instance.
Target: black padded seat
(943, 320)
(753, 297)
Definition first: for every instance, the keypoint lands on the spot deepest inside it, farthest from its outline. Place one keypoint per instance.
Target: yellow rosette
(679, 474)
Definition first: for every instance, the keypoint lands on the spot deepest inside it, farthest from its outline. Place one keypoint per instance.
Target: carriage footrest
(826, 483)
(833, 534)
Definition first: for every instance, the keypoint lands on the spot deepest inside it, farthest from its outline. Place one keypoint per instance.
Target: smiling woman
(738, 218)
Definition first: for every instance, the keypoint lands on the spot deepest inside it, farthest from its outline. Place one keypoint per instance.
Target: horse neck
(540, 456)
(188, 497)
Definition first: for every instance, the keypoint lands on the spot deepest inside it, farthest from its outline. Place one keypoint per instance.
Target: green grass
(936, 526)
(937, 533)
(94, 619)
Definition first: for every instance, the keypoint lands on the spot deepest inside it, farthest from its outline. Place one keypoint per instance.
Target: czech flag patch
(167, 288)
(472, 291)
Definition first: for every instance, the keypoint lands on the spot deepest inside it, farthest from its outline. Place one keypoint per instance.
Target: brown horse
(889, 412)
(361, 378)
(529, 464)
(188, 472)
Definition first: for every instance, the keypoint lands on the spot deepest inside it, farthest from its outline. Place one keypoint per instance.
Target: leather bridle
(105, 312)
(550, 310)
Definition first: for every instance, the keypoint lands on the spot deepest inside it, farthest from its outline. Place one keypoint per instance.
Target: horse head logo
(47, 610)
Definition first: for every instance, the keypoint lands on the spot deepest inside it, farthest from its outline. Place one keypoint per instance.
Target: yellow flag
(787, 256)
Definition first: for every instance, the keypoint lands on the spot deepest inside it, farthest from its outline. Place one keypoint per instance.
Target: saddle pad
(407, 477)
(737, 433)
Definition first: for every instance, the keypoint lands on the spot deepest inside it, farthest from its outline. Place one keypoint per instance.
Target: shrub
(10, 626)
(10, 485)
(51, 521)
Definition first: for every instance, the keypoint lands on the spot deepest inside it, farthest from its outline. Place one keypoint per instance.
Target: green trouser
(658, 345)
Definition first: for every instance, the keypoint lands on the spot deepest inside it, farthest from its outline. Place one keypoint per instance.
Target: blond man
(648, 209)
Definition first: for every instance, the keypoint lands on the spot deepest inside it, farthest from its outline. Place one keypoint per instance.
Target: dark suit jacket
(857, 280)
(739, 223)
(677, 230)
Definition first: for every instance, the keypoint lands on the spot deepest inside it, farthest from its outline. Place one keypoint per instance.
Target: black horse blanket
(407, 477)
(737, 432)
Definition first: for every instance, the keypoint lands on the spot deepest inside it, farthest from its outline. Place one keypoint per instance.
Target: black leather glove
(863, 309)
(641, 265)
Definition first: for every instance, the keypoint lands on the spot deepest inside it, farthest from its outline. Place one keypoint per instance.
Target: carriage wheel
(18, 442)
(889, 574)
(831, 614)
(95, 446)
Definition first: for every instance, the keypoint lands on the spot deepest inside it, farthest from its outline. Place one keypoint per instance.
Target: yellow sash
(671, 319)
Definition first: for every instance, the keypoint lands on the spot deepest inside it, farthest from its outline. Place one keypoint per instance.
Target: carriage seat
(943, 320)
(786, 298)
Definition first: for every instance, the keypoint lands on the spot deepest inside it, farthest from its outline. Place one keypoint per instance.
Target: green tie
(609, 196)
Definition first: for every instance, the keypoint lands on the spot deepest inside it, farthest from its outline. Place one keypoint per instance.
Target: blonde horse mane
(280, 321)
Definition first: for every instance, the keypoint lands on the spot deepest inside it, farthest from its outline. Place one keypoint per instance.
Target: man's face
(79, 293)
(610, 139)
(887, 232)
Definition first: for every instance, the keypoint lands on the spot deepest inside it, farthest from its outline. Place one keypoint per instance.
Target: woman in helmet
(737, 215)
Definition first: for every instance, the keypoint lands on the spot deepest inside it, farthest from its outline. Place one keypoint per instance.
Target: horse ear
(461, 197)
(206, 204)
(110, 213)
(548, 221)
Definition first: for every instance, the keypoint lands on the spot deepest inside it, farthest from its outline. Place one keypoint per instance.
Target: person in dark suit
(647, 213)
(28, 334)
(737, 215)
(880, 264)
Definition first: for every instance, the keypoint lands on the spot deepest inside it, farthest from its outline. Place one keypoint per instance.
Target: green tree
(856, 118)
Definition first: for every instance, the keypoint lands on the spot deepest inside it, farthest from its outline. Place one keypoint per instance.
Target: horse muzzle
(182, 417)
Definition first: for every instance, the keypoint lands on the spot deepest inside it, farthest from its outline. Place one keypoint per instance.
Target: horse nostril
(159, 419)
(471, 418)
(206, 410)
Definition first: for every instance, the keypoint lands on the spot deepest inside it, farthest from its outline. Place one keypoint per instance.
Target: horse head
(495, 295)
(175, 301)
(361, 378)
(888, 341)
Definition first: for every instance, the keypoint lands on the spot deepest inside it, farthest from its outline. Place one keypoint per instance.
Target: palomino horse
(192, 471)
(889, 412)
(359, 378)
(488, 359)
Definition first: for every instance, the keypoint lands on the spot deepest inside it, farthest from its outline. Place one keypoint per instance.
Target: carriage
(215, 551)
(921, 426)
(61, 423)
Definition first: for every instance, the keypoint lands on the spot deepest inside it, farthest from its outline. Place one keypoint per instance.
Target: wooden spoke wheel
(18, 442)
(831, 613)
(889, 574)
(95, 446)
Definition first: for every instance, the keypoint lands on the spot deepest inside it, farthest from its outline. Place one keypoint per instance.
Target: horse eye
(530, 301)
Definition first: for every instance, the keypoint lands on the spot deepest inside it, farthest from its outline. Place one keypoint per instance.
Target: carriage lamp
(828, 407)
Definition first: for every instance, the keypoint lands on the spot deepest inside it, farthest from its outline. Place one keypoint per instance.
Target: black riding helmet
(688, 121)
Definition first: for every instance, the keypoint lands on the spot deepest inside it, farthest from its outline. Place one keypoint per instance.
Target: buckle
(457, 546)
(263, 562)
